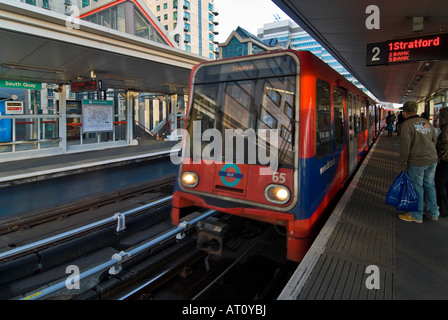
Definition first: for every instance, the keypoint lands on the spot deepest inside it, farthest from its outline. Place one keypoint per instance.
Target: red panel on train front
(239, 181)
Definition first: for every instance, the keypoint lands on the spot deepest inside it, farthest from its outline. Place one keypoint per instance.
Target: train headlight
(277, 193)
(190, 179)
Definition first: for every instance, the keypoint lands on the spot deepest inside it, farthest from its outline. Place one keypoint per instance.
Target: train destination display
(432, 47)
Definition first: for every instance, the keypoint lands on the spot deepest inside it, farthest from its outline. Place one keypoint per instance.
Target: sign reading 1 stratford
(433, 47)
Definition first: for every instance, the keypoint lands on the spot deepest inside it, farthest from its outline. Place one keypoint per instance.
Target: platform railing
(35, 134)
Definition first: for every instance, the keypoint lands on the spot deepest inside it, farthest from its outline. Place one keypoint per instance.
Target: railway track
(98, 252)
(252, 266)
(37, 251)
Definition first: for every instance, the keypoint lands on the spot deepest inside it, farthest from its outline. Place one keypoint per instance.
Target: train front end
(240, 142)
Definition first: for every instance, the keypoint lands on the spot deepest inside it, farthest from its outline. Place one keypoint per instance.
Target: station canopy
(346, 29)
(37, 46)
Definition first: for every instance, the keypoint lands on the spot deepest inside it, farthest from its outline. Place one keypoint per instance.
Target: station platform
(31, 186)
(365, 245)
(23, 171)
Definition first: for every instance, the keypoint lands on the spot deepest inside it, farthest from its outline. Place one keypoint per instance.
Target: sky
(248, 14)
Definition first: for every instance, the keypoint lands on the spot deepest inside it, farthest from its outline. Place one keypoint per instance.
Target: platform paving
(363, 239)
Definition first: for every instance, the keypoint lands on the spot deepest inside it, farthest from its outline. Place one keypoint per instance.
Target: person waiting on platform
(418, 156)
(399, 122)
(390, 120)
(442, 167)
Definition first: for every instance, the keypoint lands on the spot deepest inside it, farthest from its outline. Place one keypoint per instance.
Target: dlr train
(272, 137)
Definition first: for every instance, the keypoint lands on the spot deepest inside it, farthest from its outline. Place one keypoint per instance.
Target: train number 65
(279, 177)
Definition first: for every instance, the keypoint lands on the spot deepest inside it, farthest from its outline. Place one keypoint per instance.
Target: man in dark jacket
(418, 156)
(442, 167)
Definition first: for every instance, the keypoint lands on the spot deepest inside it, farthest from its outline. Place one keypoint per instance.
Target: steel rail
(119, 258)
(71, 233)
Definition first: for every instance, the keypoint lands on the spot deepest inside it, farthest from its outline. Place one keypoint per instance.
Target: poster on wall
(14, 107)
(97, 116)
(5, 125)
(73, 108)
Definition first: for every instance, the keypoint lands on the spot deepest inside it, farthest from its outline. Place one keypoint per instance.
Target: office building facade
(284, 30)
(191, 23)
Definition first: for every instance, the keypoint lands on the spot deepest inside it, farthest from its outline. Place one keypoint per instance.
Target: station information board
(422, 48)
(97, 115)
(83, 86)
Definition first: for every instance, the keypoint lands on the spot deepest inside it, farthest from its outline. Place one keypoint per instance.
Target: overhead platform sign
(423, 48)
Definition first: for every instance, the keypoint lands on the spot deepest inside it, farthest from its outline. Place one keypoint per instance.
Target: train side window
(338, 109)
(357, 115)
(323, 119)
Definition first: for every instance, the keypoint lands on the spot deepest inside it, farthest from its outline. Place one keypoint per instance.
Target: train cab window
(338, 109)
(246, 96)
(323, 119)
(278, 98)
(274, 95)
(268, 119)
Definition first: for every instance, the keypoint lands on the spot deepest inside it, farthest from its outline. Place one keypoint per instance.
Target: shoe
(407, 217)
(429, 217)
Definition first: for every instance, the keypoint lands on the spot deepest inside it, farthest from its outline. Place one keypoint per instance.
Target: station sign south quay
(20, 84)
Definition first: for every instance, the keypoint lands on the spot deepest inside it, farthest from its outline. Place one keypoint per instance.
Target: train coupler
(211, 233)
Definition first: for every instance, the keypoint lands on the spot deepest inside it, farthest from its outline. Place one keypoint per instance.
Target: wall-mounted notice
(97, 115)
(13, 107)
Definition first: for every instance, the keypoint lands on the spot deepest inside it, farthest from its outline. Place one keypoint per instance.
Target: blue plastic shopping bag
(402, 194)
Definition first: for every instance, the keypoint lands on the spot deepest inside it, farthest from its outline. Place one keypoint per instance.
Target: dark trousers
(441, 180)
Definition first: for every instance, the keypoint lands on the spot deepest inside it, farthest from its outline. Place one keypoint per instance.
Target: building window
(144, 29)
(158, 8)
(165, 6)
(118, 18)
(45, 4)
(165, 16)
(187, 4)
(33, 2)
(187, 27)
(85, 3)
(188, 48)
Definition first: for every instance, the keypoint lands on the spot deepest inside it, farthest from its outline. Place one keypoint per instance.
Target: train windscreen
(244, 111)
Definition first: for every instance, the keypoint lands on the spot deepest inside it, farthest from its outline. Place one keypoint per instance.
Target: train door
(339, 96)
(352, 158)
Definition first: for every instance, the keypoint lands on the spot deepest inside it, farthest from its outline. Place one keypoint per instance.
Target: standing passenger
(400, 122)
(418, 156)
(390, 120)
(442, 167)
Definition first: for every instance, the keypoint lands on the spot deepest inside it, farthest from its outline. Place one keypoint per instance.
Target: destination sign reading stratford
(434, 47)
